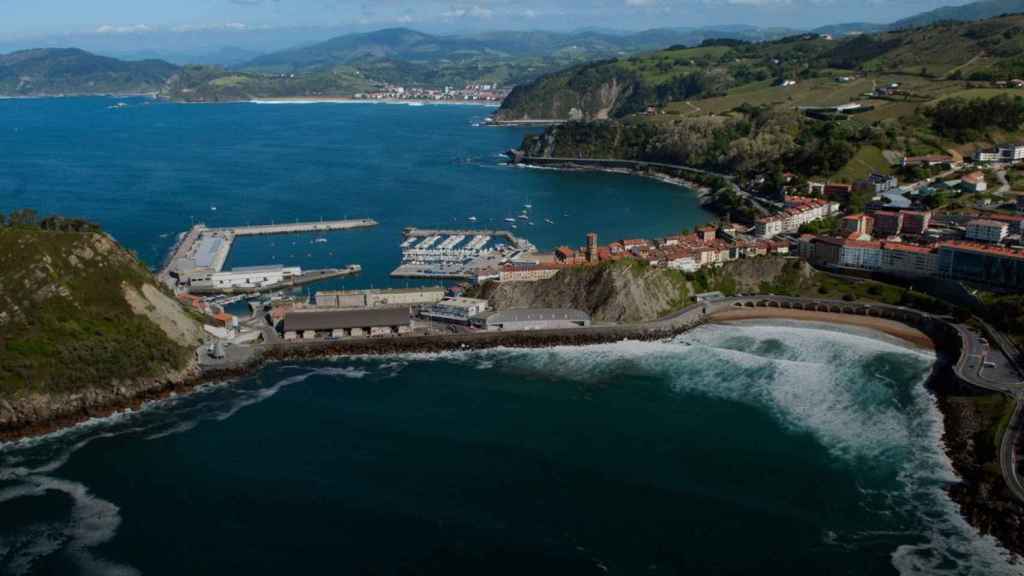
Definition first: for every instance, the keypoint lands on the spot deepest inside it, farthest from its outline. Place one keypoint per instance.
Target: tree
(3, 220)
(24, 217)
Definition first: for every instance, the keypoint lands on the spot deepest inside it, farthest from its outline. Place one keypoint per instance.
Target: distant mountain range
(57, 71)
(966, 13)
(414, 46)
(360, 61)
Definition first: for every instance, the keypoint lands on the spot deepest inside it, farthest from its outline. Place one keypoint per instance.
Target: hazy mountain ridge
(56, 71)
(965, 13)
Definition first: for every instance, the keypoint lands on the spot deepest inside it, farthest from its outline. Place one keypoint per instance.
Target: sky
(36, 18)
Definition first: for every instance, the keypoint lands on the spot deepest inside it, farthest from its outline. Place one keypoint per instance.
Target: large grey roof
(335, 319)
(535, 314)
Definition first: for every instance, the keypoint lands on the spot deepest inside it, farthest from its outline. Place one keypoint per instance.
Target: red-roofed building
(887, 223)
(565, 254)
(915, 222)
(857, 226)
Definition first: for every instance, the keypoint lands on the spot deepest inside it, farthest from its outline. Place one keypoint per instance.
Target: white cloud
(110, 29)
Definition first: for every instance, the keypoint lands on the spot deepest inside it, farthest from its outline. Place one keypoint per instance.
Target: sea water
(745, 449)
(150, 171)
(729, 450)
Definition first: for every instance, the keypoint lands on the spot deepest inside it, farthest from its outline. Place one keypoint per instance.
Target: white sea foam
(93, 521)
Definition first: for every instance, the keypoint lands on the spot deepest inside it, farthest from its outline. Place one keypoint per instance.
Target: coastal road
(1008, 450)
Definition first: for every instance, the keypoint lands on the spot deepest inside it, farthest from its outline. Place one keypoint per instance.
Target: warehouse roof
(535, 314)
(300, 321)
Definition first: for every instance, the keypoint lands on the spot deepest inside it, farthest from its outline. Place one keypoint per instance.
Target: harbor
(458, 254)
(196, 262)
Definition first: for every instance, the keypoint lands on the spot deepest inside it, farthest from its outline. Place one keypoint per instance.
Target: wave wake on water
(848, 390)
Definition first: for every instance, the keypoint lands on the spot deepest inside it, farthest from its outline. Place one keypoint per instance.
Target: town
(898, 235)
(484, 93)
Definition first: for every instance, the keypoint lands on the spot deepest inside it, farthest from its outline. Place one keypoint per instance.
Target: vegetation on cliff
(77, 311)
(622, 291)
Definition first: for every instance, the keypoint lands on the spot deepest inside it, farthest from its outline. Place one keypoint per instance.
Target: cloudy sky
(21, 18)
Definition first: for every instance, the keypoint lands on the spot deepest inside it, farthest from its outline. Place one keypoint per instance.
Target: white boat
(528, 206)
(213, 208)
(549, 220)
(510, 219)
(524, 217)
(320, 241)
(471, 218)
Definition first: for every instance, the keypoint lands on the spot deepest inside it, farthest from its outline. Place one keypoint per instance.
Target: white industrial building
(375, 298)
(248, 277)
(455, 309)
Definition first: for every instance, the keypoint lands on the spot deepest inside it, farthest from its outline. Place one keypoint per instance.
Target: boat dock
(412, 233)
(442, 254)
(204, 250)
(297, 227)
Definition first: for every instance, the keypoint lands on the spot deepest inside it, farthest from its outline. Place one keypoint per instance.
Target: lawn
(867, 160)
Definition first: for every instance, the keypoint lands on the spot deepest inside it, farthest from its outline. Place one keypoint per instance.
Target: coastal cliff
(84, 325)
(623, 291)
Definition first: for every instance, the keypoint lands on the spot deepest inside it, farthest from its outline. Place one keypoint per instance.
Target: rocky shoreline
(983, 498)
(36, 415)
(703, 192)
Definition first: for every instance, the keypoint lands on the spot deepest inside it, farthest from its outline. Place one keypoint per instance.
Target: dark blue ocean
(148, 172)
(748, 449)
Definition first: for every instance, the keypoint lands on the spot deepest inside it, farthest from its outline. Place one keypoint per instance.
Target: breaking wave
(858, 395)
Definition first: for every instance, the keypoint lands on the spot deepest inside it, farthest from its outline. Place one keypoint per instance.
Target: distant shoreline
(344, 100)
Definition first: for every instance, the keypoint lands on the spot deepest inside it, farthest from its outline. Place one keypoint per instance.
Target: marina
(458, 253)
(196, 262)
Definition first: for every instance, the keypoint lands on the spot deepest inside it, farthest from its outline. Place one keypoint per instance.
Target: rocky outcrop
(84, 327)
(624, 291)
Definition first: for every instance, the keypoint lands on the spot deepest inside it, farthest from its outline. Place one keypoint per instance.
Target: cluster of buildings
(707, 246)
(469, 93)
(1007, 153)
(338, 315)
(901, 243)
(799, 210)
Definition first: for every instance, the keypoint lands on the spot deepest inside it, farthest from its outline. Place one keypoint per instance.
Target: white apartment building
(987, 231)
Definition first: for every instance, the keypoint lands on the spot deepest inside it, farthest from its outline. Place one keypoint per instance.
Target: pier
(297, 227)
(203, 250)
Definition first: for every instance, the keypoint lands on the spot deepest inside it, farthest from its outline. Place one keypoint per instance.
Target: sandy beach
(890, 327)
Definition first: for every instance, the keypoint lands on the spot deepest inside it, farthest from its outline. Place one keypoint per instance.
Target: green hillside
(78, 312)
(933, 60)
(72, 71)
(966, 13)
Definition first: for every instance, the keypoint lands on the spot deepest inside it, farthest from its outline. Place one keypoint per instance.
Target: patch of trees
(854, 52)
(965, 119)
(728, 42)
(28, 218)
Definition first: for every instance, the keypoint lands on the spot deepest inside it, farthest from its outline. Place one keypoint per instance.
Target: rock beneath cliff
(624, 291)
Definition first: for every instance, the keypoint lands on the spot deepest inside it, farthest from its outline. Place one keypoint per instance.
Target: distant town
(490, 93)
